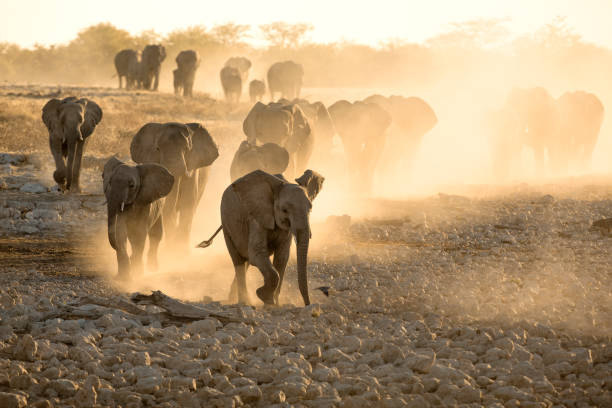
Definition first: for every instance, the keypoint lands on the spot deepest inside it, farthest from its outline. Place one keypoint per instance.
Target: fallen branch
(180, 310)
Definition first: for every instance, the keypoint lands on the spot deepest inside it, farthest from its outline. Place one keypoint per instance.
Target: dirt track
(493, 295)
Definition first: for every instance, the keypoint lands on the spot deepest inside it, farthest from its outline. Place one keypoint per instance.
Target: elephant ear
(93, 116)
(155, 182)
(379, 116)
(256, 192)
(50, 114)
(248, 126)
(204, 150)
(301, 129)
(109, 169)
(312, 182)
(275, 157)
(143, 148)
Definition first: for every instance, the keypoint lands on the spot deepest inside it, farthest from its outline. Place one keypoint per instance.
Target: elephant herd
(261, 210)
(561, 132)
(140, 70)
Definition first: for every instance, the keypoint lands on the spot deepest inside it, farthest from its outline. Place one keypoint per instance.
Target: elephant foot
(266, 295)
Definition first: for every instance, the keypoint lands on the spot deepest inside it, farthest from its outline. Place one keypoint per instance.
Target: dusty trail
(484, 295)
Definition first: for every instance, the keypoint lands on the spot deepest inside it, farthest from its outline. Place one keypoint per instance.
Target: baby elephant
(134, 196)
(268, 157)
(257, 89)
(259, 215)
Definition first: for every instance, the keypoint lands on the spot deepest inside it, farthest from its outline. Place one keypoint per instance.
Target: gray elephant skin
(260, 213)
(411, 119)
(187, 62)
(362, 127)
(70, 122)
(257, 89)
(286, 78)
(242, 64)
(268, 157)
(186, 150)
(127, 64)
(152, 57)
(134, 198)
(231, 81)
(285, 125)
(322, 128)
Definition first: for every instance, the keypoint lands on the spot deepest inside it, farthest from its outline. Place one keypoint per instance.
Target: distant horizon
(369, 24)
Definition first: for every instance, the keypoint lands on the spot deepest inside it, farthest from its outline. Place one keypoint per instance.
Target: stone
(32, 187)
(257, 339)
(10, 400)
(391, 353)
(64, 387)
(86, 397)
(26, 349)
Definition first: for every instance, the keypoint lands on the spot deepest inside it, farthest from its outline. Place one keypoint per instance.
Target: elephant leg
(137, 242)
(169, 212)
(186, 205)
(259, 257)
(76, 167)
(156, 84)
(123, 260)
(155, 236)
(60, 173)
(238, 288)
(281, 256)
(270, 275)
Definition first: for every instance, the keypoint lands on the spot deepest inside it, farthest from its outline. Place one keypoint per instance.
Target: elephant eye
(131, 184)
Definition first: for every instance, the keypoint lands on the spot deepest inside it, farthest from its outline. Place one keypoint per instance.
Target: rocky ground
(498, 297)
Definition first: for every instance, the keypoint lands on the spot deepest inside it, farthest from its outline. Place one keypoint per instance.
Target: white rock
(33, 188)
(258, 339)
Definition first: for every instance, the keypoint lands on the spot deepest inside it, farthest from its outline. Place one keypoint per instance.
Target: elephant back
(153, 55)
(187, 60)
(123, 59)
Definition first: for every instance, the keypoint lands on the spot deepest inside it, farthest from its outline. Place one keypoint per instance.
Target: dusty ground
(487, 295)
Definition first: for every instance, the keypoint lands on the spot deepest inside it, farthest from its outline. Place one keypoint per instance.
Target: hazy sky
(27, 22)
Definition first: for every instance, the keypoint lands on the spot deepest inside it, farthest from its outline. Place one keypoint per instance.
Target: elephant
(123, 60)
(285, 77)
(538, 125)
(257, 89)
(362, 127)
(186, 150)
(187, 62)
(411, 119)
(322, 127)
(259, 215)
(285, 125)
(231, 82)
(135, 74)
(70, 122)
(268, 157)
(152, 57)
(134, 198)
(242, 64)
(580, 118)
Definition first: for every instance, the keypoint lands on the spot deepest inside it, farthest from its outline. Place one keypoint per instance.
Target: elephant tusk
(122, 205)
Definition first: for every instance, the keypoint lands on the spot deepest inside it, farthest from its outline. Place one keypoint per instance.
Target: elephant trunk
(302, 240)
(112, 225)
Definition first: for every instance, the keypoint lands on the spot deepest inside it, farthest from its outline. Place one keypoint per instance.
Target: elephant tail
(205, 244)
